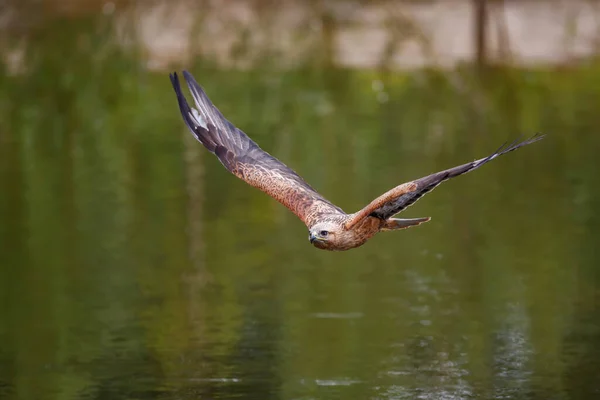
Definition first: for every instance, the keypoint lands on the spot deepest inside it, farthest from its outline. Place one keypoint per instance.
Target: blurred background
(134, 266)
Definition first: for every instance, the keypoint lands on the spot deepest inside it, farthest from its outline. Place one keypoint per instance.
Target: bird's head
(326, 235)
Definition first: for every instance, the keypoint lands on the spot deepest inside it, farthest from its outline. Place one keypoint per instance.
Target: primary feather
(430, 182)
(245, 159)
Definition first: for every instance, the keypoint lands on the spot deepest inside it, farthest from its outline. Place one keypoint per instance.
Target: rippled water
(135, 267)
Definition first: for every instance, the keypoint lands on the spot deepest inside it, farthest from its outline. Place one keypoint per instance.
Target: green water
(133, 266)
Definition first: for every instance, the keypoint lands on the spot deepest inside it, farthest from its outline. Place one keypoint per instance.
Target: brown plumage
(329, 227)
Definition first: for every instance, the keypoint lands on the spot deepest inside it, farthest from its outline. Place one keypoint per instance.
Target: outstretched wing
(245, 159)
(402, 196)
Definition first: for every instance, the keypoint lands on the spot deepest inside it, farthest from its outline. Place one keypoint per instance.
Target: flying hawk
(329, 227)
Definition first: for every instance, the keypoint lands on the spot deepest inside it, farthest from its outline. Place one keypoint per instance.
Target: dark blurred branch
(328, 31)
(481, 22)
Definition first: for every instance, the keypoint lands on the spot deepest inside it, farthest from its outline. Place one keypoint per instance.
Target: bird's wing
(245, 159)
(400, 197)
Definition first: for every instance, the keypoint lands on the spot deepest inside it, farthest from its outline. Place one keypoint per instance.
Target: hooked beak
(311, 237)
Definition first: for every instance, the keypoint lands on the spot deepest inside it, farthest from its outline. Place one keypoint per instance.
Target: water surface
(135, 267)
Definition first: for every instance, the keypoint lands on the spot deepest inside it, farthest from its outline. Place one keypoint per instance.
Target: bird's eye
(323, 233)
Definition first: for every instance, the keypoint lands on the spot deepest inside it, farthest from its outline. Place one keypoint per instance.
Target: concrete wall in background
(394, 34)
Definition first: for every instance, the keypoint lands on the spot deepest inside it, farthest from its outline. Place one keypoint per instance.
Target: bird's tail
(398, 223)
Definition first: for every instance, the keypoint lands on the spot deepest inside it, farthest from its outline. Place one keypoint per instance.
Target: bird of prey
(329, 227)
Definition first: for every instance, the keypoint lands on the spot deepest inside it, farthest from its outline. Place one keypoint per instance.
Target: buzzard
(329, 227)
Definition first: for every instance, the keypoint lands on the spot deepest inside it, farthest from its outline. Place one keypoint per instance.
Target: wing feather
(403, 196)
(245, 159)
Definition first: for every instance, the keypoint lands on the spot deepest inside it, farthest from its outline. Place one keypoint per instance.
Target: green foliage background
(132, 265)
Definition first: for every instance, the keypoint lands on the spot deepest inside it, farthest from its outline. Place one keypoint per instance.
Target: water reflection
(133, 265)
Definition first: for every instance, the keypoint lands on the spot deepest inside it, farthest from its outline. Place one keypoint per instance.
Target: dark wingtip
(538, 136)
(174, 79)
(507, 148)
(520, 143)
(198, 92)
(186, 113)
(189, 77)
(184, 108)
(515, 144)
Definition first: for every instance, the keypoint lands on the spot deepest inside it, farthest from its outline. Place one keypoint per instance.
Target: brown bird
(330, 228)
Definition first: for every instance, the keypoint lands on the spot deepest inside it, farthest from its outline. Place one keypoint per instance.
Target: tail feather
(399, 223)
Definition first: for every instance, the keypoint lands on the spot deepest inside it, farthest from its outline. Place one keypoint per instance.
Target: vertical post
(480, 32)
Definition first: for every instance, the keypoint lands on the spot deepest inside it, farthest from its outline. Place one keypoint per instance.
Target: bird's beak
(312, 237)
